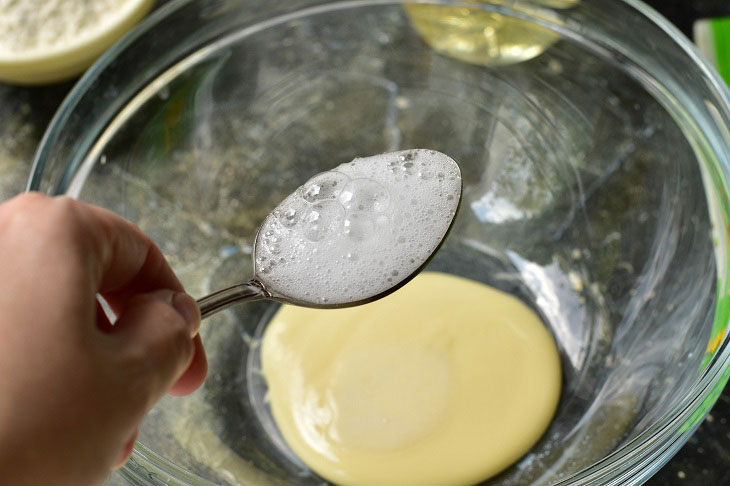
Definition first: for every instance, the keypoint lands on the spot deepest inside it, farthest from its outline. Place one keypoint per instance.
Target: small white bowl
(67, 61)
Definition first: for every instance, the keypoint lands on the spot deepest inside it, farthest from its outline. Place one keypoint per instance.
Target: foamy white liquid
(352, 233)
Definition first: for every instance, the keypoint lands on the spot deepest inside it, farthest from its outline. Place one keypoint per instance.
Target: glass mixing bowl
(595, 160)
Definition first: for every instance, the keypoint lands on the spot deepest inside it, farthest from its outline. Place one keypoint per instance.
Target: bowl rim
(634, 461)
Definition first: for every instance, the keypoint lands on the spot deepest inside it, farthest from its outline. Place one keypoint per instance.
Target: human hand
(74, 388)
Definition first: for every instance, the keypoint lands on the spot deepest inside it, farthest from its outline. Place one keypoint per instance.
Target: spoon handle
(217, 301)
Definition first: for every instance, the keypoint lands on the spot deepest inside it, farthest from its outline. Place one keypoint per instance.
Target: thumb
(154, 336)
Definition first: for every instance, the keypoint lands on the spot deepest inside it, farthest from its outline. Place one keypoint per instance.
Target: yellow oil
(480, 37)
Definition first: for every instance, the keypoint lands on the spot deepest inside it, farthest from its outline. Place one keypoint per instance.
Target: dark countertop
(25, 112)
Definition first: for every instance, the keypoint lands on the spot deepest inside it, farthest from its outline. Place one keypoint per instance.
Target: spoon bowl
(353, 234)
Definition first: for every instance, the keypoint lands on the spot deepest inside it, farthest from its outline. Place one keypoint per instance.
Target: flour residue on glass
(353, 232)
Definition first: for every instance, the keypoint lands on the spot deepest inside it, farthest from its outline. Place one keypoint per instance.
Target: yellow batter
(447, 381)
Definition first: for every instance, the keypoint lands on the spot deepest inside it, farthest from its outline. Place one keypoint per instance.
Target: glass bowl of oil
(595, 157)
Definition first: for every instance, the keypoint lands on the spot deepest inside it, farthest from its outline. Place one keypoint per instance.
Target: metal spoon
(351, 235)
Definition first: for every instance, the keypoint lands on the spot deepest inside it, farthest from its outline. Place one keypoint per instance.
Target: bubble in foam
(323, 219)
(359, 226)
(325, 186)
(407, 165)
(365, 195)
(289, 217)
(353, 232)
(289, 212)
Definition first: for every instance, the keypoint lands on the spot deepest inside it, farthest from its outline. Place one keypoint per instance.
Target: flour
(42, 25)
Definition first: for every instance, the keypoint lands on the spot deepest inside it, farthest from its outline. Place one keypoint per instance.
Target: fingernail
(126, 451)
(188, 308)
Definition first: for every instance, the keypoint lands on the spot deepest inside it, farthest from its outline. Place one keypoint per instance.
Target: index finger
(129, 262)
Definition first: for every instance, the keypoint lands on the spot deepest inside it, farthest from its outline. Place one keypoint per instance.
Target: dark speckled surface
(704, 460)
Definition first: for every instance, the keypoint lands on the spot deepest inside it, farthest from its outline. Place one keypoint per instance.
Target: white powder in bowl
(40, 25)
